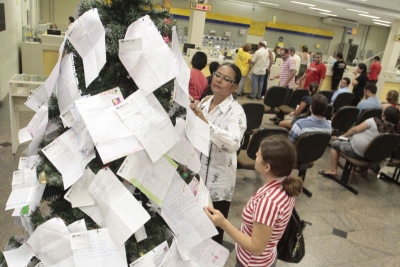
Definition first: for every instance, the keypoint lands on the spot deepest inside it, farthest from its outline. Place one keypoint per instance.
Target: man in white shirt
(259, 61)
(344, 88)
(297, 59)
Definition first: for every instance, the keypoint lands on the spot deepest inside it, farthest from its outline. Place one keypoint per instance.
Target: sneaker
(262, 97)
(239, 94)
(273, 119)
(250, 97)
(258, 97)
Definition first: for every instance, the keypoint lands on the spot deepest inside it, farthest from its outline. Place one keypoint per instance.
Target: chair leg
(302, 175)
(344, 180)
(395, 177)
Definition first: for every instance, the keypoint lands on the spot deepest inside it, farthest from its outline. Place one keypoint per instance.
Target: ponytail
(293, 186)
(313, 88)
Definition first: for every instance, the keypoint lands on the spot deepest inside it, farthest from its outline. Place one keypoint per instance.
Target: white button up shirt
(227, 125)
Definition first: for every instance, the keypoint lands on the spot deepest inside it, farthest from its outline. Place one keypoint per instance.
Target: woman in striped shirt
(268, 211)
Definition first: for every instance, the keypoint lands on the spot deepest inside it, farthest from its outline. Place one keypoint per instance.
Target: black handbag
(291, 247)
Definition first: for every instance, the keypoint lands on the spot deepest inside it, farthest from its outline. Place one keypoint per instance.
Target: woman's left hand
(215, 216)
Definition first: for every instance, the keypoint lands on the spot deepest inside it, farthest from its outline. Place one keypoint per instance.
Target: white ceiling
(386, 10)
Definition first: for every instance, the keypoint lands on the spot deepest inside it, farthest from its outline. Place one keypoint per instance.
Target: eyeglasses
(226, 79)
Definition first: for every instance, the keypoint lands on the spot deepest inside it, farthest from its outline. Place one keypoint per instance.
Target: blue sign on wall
(349, 30)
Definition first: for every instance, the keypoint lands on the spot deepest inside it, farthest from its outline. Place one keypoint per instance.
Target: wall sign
(397, 38)
(202, 7)
(2, 18)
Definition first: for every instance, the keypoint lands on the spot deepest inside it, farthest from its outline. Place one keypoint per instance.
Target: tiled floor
(347, 230)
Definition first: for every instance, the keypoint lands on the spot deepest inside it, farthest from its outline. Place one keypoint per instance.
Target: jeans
(241, 84)
(264, 88)
(257, 80)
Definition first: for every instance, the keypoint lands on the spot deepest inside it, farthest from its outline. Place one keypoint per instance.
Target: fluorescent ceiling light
(381, 24)
(369, 16)
(383, 21)
(332, 15)
(265, 3)
(359, 11)
(301, 3)
(240, 2)
(323, 10)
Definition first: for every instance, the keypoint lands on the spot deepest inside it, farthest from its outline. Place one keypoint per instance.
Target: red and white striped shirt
(284, 73)
(271, 206)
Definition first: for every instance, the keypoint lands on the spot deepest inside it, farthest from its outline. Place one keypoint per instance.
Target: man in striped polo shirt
(286, 75)
(314, 123)
(287, 70)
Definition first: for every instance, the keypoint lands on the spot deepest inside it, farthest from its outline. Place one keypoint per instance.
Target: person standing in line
(276, 53)
(287, 70)
(359, 82)
(337, 71)
(243, 61)
(270, 61)
(297, 59)
(267, 213)
(259, 61)
(374, 70)
(315, 73)
(305, 60)
(227, 124)
(198, 83)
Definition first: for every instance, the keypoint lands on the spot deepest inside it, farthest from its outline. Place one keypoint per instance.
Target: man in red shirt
(374, 70)
(198, 83)
(315, 73)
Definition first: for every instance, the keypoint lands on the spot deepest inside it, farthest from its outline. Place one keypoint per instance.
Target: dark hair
(339, 55)
(377, 58)
(363, 68)
(318, 104)
(199, 60)
(71, 19)
(213, 66)
(347, 80)
(280, 154)
(313, 88)
(238, 73)
(391, 115)
(371, 87)
(276, 48)
(392, 97)
(285, 49)
(318, 54)
(304, 48)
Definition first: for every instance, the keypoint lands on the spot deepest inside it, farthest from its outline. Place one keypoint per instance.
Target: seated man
(371, 101)
(314, 123)
(344, 88)
(198, 83)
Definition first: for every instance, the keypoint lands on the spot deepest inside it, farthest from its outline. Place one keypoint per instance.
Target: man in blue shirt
(344, 88)
(314, 123)
(371, 100)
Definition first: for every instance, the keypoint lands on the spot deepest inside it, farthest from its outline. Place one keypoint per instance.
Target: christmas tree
(116, 16)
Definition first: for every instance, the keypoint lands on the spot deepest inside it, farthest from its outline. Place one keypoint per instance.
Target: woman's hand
(215, 216)
(291, 113)
(334, 138)
(197, 110)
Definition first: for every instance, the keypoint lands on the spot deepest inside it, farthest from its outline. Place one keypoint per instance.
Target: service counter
(40, 58)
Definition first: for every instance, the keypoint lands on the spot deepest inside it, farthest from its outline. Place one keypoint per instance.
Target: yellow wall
(386, 88)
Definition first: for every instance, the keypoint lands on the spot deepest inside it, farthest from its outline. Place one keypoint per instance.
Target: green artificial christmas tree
(116, 16)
